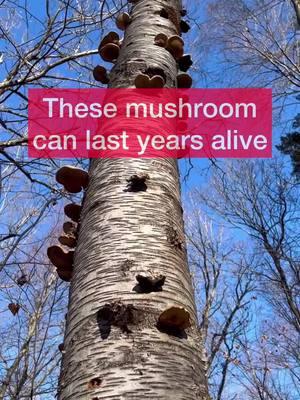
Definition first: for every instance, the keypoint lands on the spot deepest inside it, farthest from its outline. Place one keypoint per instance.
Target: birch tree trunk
(113, 347)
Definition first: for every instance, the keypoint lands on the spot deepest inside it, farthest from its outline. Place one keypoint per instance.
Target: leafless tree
(262, 199)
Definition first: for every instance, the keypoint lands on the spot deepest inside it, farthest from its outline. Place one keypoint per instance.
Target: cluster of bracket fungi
(109, 50)
(173, 320)
(74, 180)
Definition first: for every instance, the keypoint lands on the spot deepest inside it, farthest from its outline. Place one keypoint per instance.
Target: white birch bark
(113, 347)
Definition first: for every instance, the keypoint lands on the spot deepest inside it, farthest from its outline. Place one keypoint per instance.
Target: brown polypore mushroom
(100, 75)
(184, 81)
(60, 258)
(174, 318)
(73, 211)
(14, 308)
(161, 40)
(111, 37)
(110, 52)
(68, 240)
(143, 81)
(70, 228)
(61, 347)
(175, 46)
(123, 20)
(72, 178)
(64, 274)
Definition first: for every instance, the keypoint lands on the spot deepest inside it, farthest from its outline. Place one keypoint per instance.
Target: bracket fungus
(184, 26)
(161, 40)
(183, 12)
(60, 258)
(67, 240)
(100, 74)
(63, 261)
(184, 80)
(70, 228)
(109, 47)
(111, 37)
(143, 81)
(72, 178)
(14, 308)
(177, 318)
(185, 62)
(73, 211)
(175, 46)
(148, 284)
(123, 20)
(61, 347)
(110, 52)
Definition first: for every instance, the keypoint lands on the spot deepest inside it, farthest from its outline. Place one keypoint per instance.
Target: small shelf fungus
(185, 62)
(175, 46)
(161, 40)
(70, 228)
(184, 80)
(73, 211)
(137, 183)
(174, 319)
(148, 284)
(63, 261)
(72, 178)
(143, 81)
(123, 21)
(183, 12)
(68, 240)
(61, 347)
(100, 75)
(184, 26)
(14, 308)
(109, 48)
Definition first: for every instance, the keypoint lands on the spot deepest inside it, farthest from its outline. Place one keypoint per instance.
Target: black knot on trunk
(148, 284)
(116, 314)
(137, 183)
(94, 383)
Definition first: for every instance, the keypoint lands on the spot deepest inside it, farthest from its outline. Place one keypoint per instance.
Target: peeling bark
(113, 346)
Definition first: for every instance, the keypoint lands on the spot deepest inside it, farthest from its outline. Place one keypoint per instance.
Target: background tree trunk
(113, 347)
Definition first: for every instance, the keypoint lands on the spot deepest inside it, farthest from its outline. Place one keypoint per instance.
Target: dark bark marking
(174, 239)
(148, 284)
(126, 266)
(116, 314)
(137, 183)
(164, 14)
(94, 383)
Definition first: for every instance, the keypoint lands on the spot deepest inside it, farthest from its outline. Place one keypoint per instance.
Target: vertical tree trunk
(113, 346)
